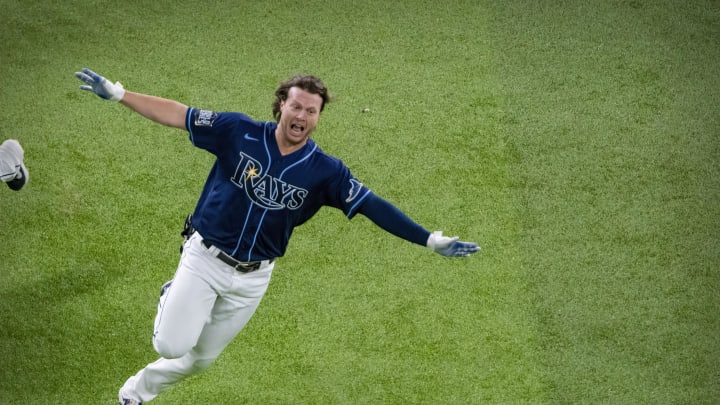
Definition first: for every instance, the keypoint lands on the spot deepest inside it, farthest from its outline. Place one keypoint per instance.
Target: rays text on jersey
(265, 190)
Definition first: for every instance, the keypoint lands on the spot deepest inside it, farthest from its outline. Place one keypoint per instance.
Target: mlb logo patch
(205, 118)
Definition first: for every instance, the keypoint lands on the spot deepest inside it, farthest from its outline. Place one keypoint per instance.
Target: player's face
(299, 117)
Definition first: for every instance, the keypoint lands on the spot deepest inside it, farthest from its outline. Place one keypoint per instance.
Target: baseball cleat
(20, 180)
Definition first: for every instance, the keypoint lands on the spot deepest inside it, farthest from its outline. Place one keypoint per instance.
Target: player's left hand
(451, 247)
(100, 85)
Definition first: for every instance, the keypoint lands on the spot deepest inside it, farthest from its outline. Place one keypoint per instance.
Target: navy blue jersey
(254, 196)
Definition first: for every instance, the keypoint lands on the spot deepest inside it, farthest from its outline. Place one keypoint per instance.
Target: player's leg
(12, 168)
(184, 308)
(186, 303)
(230, 314)
(232, 311)
(240, 297)
(160, 375)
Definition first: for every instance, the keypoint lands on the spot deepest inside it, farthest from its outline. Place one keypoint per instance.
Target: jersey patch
(205, 118)
(355, 187)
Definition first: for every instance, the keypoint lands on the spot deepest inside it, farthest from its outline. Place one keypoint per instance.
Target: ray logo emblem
(355, 187)
(264, 190)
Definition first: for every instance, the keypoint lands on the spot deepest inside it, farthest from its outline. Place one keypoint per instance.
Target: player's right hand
(451, 247)
(100, 85)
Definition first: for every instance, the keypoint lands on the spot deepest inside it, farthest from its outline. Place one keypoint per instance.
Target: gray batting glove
(451, 247)
(100, 85)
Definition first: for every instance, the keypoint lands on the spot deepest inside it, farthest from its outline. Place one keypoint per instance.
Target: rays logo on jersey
(266, 191)
(355, 187)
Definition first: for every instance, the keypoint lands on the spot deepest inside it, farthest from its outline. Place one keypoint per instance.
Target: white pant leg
(186, 305)
(206, 306)
(11, 157)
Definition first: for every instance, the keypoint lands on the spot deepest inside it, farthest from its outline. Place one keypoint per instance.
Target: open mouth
(297, 129)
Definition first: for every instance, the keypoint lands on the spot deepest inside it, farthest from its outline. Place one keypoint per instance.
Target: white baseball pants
(205, 307)
(11, 158)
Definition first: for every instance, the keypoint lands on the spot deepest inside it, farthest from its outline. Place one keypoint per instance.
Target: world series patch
(205, 118)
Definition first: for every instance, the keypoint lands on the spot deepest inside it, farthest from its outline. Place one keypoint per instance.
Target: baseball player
(12, 168)
(268, 178)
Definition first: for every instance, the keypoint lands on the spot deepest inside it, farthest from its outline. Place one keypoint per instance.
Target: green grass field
(578, 142)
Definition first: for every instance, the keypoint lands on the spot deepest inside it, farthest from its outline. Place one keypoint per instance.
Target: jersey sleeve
(209, 129)
(391, 219)
(347, 193)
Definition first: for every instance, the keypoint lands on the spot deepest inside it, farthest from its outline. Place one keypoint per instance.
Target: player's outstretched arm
(391, 219)
(161, 110)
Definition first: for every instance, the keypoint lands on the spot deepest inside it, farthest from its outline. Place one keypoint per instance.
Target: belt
(243, 267)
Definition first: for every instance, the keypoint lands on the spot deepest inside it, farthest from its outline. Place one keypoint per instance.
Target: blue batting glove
(451, 247)
(100, 85)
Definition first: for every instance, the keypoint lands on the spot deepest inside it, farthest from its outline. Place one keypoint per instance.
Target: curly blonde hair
(308, 83)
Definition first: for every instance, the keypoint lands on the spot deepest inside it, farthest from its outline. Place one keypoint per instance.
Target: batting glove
(451, 247)
(100, 85)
